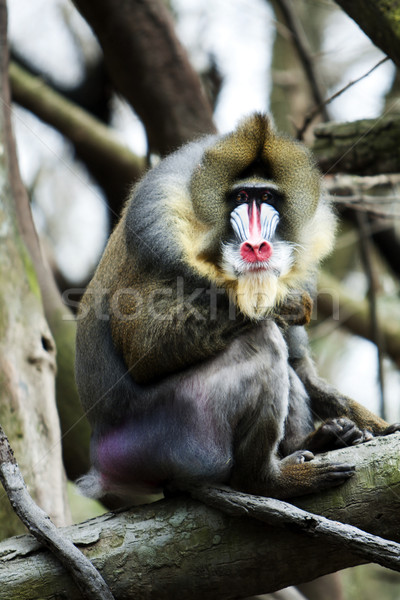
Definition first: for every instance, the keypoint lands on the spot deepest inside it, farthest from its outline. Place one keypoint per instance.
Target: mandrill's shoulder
(159, 222)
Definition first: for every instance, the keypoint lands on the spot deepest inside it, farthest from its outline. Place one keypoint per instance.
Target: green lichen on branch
(364, 147)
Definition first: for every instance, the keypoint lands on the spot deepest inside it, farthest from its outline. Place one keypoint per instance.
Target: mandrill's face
(255, 255)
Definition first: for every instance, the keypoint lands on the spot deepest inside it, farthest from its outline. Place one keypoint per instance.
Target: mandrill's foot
(336, 433)
(299, 475)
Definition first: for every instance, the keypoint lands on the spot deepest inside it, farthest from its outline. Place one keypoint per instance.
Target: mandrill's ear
(222, 164)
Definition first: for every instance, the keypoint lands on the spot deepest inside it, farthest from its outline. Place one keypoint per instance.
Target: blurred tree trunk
(151, 69)
(27, 352)
(74, 426)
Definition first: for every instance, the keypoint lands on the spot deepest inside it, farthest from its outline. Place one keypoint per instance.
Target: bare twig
(301, 43)
(89, 581)
(276, 512)
(321, 105)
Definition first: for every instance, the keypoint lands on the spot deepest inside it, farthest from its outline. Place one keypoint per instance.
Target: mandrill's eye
(266, 197)
(242, 197)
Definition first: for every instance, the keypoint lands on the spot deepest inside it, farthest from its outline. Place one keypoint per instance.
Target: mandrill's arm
(175, 328)
(171, 330)
(326, 401)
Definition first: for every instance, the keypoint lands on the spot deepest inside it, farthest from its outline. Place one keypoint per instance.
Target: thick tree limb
(365, 147)
(379, 19)
(86, 577)
(275, 512)
(150, 68)
(181, 548)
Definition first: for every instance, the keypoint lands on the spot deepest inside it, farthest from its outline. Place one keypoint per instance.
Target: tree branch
(182, 548)
(377, 195)
(111, 163)
(365, 147)
(89, 581)
(275, 512)
(309, 118)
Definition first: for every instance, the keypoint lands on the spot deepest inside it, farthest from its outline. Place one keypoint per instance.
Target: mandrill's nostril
(256, 252)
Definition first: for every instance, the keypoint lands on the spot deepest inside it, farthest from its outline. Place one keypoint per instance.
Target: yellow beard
(256, 294)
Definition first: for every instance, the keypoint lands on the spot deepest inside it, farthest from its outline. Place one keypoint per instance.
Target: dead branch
(276, 512)
(377, 195)
(86, 577)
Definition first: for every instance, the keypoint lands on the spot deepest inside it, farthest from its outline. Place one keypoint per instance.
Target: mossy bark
(364, 147)
(27, 352)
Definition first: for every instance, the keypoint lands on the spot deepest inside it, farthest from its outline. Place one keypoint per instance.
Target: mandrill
(192, 361)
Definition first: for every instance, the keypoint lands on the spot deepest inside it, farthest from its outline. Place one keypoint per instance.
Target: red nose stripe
(254, 222)
(255, 249)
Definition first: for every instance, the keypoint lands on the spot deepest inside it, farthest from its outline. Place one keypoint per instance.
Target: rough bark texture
(27, 352)
(379, 19)
(151, 69)
(363, 147)
(81, 569)
(181, 548)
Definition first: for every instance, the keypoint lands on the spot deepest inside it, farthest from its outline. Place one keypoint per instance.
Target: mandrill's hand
(342, 432)
(295, 310)
(336, 433)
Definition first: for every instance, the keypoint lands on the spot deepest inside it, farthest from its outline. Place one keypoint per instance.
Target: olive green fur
(254, 147)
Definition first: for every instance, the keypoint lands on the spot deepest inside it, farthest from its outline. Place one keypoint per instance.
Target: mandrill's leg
(276, 424)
